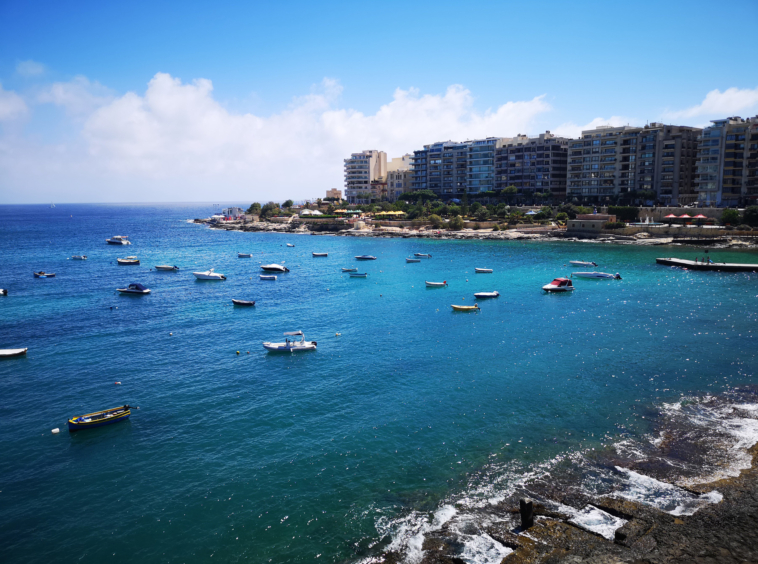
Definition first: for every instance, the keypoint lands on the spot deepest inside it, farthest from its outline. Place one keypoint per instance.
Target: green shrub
(731, 217)
(495, 227)
(436, 221)
(456, 224)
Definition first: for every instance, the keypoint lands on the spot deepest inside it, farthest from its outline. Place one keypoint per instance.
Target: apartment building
(727, 162)
(532, 164)
(615, 162)
(398, 182)
(441, 167)
(360, 170)
(400, 163)
(481, 165)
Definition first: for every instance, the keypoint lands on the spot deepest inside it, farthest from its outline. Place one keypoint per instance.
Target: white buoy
(56, 431)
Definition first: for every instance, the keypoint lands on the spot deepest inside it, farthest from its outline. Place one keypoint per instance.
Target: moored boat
(119, 240)
(3, 292)
(412, 260)
(242, 302)
(166, 267)
(365, 257)
(209, 275)
(274, 268)
(436, 284)
(349, 270)
(422, 255)
(128, 261)
(290, 245)
(559, 285)
(616, 276)
(268, 276)
(483, 270)
(244, 255)
(134, 289)
(358, 274)
(9, 353)
(79, 257)
(100, 418)
(582, 263)
(43, 274)
(474, 307)
(320, 254)
(486, 294)
(291, 346)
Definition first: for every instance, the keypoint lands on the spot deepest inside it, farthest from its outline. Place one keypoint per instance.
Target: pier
(715, 266)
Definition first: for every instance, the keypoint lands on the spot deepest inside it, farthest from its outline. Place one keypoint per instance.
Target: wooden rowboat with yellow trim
(100, 418)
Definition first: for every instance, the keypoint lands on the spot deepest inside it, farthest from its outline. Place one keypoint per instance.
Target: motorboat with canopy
(134, 289)
(209, 275)
(119, 240)
(559, 285)
(291, 345)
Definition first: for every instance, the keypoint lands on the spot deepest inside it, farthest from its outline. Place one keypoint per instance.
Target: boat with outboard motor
(365, 257)
(291, 346)
(582, 263)
(435, 284)
(412, 260)
(486, 294)
(166, 267)
(483, 270)
(100, 418)
(43, 274)
(469, 309)
(128, 261)
(267, 276)
(274, 268)
(134, 289)
(320, 254)
(9, 353)
(119, 240)
(616, 276)
(79, 257)
(209, 275)
(242, 302)
(559, 285)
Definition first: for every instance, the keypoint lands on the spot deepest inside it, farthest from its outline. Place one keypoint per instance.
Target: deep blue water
(263, 457)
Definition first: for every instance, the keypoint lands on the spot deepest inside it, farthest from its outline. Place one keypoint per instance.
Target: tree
(456, 224)
(436, 221)
(419, 195)
(510, 192)
(254, 209)
(270, 209)
(464, 205)
(475, 207)
(287, 204)
(482, 214)
(732, 217)
(454, 210)
(751, 216)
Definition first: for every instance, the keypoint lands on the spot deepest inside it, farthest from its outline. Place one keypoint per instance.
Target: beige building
(334, 193)
(398, 182)
(588, 224)
(400, 163)
(360, 170)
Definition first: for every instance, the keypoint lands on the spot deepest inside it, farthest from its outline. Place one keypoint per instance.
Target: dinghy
(8, 353)
(209, 275)
(242, 302)
(486, 294)
(483, 270)
(474, 307)
(358, 275)
(100, 418)
(291, 346)
(268, 276)
(349, 270)
(166, 267)
(43, 274)
(320, 254)
(127, 261)
(134, 289)
(274, 268)
(436, 284)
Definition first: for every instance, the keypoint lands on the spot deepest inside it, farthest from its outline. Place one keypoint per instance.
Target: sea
(408, 418)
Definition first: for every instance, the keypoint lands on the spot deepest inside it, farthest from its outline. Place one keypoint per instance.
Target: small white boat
(290, 245)
(559, 285)
(436, 284)
(291, 346)
(209, 275)
(483, 270)
(166, 267)
(320, 254)
(349, 270)
(134, 289)
(358, 275)
(486, 294)
(616, 276)
(79, 257)
(268, 276)
(582, 263)
(365, 257)
(3, 292)
(119, 240)
(127, 261)
(422, 255)
(412, 260)
(466, 309)
(244, 255)
(7, 353)
(274, 268)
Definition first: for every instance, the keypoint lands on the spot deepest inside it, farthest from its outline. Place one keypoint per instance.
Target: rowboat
(559, 285)
(43, 274)
(486, 294)
(422, 255)
(358, 275)
(244, 255)
(166, 267)
(466, 308)
(365, 257)
(134, 289)
(100, 418)
(274, 268)
(119, 240)
(242, 302)
(291, 346)
(79, 257)
(268, 276)
(128, 261)
(483, 270)
(8, 353)
(209, 275)
(616, 276)
(412, 260)
(320, 254)
(582, 263)
(349, 270)
(436, 284)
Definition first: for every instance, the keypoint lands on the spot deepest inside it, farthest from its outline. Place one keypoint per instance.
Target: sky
(258, 101)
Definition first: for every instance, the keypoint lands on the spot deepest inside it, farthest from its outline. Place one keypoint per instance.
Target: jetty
(713, 266)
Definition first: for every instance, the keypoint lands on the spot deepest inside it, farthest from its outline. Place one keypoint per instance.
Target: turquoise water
(286, 458)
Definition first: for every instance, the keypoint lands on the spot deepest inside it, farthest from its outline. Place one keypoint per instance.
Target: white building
(234, 213)
(360, 170)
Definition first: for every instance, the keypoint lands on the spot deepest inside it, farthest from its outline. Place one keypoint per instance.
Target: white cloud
(720, 104)
(30, 68)
(80, 97)
(572, 130)
(12, 106)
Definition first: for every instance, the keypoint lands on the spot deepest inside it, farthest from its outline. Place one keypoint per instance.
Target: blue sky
(313, 78)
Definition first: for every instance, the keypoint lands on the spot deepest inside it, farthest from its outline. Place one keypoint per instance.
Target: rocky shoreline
(643, 239)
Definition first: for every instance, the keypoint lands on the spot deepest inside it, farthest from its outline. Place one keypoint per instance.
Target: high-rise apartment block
(360, 170)
(618, 161)
(440, 167)
(728, 162)
(532, 164)
(481, 165)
